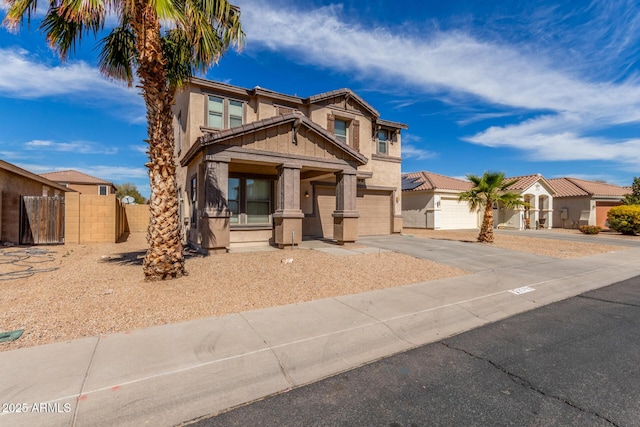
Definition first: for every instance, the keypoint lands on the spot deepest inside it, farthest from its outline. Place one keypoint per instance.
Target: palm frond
(16, 12)
(118, 54)
(62, 34)
(176, 49)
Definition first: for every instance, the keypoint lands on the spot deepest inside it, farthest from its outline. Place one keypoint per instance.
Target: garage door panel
(456, 215)
(374, 208)
(375, 213)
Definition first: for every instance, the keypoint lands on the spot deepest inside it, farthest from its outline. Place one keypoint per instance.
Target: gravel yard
(97, 289)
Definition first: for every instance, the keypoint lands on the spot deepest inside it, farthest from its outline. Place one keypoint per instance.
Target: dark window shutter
(330, 122)
(355, 135)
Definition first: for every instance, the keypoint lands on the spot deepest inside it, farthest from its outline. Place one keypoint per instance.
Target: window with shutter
(355, 135)
(330, 123)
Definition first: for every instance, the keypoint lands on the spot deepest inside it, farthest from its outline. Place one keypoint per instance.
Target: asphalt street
(572, 363)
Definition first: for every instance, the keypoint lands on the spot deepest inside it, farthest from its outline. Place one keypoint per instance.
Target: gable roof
(25, 173)
(526, 181)
(574, 187)
(213, 137)
(340, 93)
(433, 181)
(74, 177)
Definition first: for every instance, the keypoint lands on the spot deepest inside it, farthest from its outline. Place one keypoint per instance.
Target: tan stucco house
(81, 182)
(15, 224)
(430, 200)
(261, 166)
(583, 202)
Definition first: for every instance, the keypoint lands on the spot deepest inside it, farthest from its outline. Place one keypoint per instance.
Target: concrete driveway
(470, 256)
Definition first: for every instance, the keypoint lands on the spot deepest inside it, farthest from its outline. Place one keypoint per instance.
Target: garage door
(375, 213)
(602, 208)
(456, 216)
(374, 208)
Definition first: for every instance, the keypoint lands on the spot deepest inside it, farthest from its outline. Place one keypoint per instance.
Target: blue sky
(516, 86)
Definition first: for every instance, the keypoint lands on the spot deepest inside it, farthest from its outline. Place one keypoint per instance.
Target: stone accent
(288, 216)
(214, 223)
(345, 217)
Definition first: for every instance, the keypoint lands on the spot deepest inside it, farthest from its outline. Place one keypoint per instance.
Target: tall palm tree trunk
(164, 258)
(486, 230)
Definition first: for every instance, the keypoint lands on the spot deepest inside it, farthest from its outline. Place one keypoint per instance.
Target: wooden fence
(41, 220)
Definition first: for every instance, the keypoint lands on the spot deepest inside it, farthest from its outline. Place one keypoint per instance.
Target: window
(103, 190)
(340, 130)
(249, 201)
(235, 114)
(216, 109)
(224, 113)
(233, 200)
(258, 201)
(194, 201)
(383, 141)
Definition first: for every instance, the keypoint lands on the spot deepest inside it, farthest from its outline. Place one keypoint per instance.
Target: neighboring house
(15, 223)
(81, 182)
(538, 193)
(430, 200)
(261, 166)
(583, 202)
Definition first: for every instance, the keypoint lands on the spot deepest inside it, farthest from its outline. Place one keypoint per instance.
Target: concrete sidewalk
(165, 375)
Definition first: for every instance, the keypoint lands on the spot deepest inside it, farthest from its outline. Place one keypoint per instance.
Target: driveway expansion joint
(527, 384)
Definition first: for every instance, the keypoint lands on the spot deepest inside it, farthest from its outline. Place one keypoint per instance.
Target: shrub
(625, 219)
(589, 229)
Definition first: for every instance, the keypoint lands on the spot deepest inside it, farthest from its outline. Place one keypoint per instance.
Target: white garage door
(456, 216)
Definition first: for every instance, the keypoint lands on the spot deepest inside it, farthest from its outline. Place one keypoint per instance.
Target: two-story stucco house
(261, 166)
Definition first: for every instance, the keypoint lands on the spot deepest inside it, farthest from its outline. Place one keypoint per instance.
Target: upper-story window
(216, 112)
(340, 130)
(383, 141)
(103, 190)
(224, 113)
(235, 113)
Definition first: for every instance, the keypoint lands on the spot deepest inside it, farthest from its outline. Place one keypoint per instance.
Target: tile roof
(342, 92)
(523, 182)
(25, 173)
(573, 187)
(213, 137)
(434, 181)
(73, 177)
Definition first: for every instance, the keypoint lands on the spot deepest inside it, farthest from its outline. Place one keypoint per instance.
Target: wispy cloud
(25, 76)
(139, 148)
(410, 149)
(81, 147)
(531, 74)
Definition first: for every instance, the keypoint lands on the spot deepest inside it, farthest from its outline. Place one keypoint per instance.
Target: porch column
(345, 217)
(288, 216)
(214, 226)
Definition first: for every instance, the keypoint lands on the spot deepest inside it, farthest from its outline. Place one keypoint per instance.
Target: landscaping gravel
(92, 289)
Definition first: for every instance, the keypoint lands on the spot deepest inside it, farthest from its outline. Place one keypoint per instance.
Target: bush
(590, 229)
(625, 219)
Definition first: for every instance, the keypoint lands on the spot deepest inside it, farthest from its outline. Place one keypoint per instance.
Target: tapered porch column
(288, 216)
(214, 226)
(345, 217)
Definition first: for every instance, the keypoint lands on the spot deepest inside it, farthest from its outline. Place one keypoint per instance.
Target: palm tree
(488, 189)
(164, 42)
